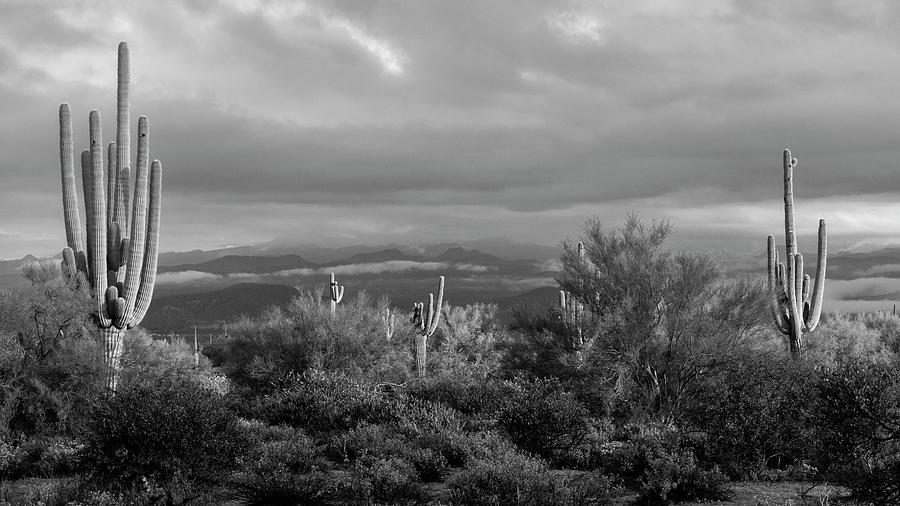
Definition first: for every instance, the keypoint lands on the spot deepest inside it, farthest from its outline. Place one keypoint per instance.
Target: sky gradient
(422, 121)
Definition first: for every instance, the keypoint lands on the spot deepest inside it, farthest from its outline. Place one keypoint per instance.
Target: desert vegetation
(671, 386)
(656, 379)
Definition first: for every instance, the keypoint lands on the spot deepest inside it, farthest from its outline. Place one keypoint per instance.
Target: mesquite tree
(659, 320)
(119, 258)
(796, 304)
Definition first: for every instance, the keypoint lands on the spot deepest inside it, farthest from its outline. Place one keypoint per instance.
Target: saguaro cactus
(121, 270)
(568, 306)
(572, 312)
(387, 319)
(796, 303)
(196, 349)
(337, 294)
(426, 319)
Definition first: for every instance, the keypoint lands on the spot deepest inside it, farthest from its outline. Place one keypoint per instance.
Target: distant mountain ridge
(232, 277)
(403, 276)
(177, 313)
(385, 255)
(243, 263)
(15, 266)
(262, 264)
(499, 247)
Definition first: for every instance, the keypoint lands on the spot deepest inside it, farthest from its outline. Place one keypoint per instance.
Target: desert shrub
(415, 416)
(59, 456)
(885, 326)
(540, 343)
(430, 465)
(517, 479)
(455, 448)
(323, 401)
(366, 439)
(275, 485)
(467, 345)
(839, 338)
(469, 396)
(283, 467)
(43, 492)
(52, 456)
(50, 367)
(165, 431)
(145, 358)
(636, 446)
(38, 456)
(461, 448)
(389, 480)
(303, 336)
(859, 429)
(589, 453)
(754, 415)
(542, 419)
(282, 444)
(660, 462)
(594, 488)
(677, 477)
(384, 441)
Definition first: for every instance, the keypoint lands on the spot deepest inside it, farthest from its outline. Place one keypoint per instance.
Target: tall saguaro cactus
(796, 303)
(121, 269)
(427, 322)
(337, 294)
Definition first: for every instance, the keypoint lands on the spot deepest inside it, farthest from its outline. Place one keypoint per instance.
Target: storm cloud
(341, 122)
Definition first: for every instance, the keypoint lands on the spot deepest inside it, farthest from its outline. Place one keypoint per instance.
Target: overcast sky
(425, 120)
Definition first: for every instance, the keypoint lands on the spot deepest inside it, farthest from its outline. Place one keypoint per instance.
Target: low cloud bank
(392, 266)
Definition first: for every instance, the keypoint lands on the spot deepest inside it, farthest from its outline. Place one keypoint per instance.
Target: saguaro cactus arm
(774, 284)
(71, 216)
(123, 138)
(137, 245)
(433, 315)
(97, 221)
(151, 247)
(818, 289)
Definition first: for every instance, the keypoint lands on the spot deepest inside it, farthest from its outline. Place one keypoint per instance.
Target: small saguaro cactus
(196, 349)
(426, 320)
(567, 306)
(337, 294)
(579, 307)
(572, 311)
(795, 302)
(387, 319)
(120, 269)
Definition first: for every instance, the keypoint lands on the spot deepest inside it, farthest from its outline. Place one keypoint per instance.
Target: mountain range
(219, 285)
